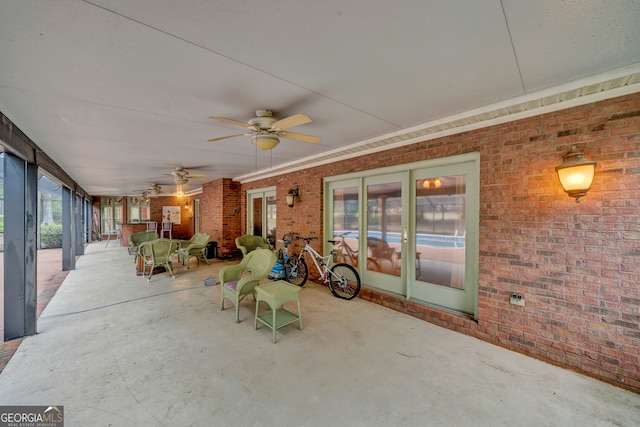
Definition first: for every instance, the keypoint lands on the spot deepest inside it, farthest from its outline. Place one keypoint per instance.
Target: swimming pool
(433, 240)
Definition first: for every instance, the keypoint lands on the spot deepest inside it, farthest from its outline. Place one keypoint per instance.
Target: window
(112, 211)
(139, 209)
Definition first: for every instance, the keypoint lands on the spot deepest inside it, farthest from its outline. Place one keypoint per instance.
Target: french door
(261, 214)
(413, 229)
(196, 213)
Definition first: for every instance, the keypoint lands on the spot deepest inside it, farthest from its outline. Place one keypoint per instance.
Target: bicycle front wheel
(296, 271)
(344, 282)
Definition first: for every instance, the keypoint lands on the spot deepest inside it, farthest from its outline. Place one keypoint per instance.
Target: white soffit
(619, 82)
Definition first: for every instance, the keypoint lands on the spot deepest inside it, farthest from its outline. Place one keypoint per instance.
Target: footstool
(275, 294)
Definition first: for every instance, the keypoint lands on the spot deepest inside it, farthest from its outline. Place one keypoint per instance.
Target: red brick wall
(577, 265)
(305, 218)
(220, 213)
(184, 230)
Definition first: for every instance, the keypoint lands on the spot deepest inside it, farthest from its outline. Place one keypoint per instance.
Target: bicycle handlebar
(309, 239)
(306, 239)
(343, 235)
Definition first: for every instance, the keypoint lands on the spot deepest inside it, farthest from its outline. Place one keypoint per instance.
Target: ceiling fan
(181, 176)
(266, 130)
(154, 190)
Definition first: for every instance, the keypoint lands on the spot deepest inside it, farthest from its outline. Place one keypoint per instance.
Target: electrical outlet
(517, 299)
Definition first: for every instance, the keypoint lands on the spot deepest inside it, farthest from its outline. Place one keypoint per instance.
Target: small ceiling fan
(154, 190)
(266, 130)
(182, 176)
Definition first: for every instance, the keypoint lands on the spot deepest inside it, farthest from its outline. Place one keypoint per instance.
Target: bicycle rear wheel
(344, 282)
(296, 271)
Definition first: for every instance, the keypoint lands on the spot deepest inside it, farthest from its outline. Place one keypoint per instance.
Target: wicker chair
(235, 284)
(194, 247)
(158, 253)
(135, 239)
(248, 243)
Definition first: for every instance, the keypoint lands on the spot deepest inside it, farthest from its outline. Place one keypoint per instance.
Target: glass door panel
(440, 230)
(443, 208)
(386, 231)
(345, 223)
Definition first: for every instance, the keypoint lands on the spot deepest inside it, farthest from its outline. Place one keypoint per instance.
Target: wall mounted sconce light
(291, 195)
(576, 173)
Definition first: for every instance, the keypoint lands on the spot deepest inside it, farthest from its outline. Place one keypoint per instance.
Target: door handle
(404, 235)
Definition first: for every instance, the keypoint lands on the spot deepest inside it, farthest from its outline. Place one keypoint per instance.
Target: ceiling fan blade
(228, 136)
(232, 121)
(301, 137)
(291, 121)
(200, 178)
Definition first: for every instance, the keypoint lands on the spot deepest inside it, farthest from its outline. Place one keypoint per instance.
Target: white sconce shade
(576, 173)
(291, 195)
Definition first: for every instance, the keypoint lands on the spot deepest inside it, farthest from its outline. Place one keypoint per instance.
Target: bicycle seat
(333, 242)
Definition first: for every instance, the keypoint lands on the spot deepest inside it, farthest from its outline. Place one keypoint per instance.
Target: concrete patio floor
(114, 350)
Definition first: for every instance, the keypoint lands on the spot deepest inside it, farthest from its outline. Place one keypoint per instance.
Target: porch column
(20, 240)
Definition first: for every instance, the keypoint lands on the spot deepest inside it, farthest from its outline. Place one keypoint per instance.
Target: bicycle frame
(343, 279)
(345, 252)
(322, 263)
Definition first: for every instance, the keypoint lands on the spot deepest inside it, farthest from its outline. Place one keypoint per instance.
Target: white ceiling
(118, 92)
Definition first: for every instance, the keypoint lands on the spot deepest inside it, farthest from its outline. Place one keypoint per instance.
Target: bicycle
(343, 279)
(346, 254)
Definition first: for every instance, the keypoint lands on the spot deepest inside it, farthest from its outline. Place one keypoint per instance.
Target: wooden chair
(236, 283)
(166, 228)
(152, 227)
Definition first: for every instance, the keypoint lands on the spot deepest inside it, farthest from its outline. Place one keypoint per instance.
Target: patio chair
(194, 247)
(248, 243)
(135, 239)
(236, 283)
(157, 253)
(111, 232)
(166, 228)
(152, 226)
(380, 250)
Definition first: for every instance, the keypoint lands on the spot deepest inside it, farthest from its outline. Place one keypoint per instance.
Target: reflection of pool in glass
(433, 240)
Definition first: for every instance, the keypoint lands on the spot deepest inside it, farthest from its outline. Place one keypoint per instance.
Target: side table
(275, 294)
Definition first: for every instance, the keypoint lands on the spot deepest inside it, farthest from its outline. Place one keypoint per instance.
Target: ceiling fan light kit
(265, 142)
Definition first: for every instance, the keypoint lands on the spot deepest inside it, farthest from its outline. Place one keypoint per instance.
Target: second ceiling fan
(181, 176)
(266, 130)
